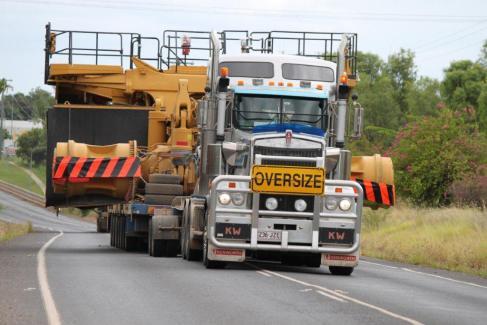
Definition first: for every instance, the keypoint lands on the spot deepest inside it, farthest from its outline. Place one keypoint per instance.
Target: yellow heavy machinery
(242, 156)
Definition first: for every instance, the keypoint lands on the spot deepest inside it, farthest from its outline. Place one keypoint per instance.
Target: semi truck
(215, 155)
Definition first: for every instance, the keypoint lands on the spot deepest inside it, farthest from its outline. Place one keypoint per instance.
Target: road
(90, 282)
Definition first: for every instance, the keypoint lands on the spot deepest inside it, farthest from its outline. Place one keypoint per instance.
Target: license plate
(288, 179)
(269, 236)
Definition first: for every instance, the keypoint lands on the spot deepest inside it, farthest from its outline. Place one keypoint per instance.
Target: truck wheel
(171, 248)
(164, 179)
(130, 243)
(157, 247)
(341, 270)
(167, 189)
(112, 233)
(149, 240)
(158, 199)
(209, 263)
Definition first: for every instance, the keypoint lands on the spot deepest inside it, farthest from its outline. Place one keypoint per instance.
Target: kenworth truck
(244, 158)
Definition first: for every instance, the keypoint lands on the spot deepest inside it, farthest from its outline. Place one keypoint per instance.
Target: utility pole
(2, 117)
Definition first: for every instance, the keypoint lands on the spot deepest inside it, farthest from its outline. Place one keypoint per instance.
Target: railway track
(22, 194)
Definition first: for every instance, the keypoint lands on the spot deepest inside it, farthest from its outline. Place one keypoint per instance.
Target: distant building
(16, 128)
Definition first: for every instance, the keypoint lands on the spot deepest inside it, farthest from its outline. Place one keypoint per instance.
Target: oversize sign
(288, 179)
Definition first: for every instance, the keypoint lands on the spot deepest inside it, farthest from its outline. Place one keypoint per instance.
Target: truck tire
(159, 199)
(166, 189)
(112, 235)
(157, 247)
(130, 243)
(341, 270)
(164, 179)
(171, 248)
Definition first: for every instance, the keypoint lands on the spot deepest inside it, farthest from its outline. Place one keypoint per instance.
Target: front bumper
(308, 222)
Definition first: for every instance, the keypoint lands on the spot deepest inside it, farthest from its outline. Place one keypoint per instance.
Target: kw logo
(335, 235)
(233, 231)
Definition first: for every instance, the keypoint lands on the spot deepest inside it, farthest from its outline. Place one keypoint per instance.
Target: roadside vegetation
(11, 230)
(453, 238)
(15, 175)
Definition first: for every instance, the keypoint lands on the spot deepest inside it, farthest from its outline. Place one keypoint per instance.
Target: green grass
(15, 175)
(449, 238)
(12, 230)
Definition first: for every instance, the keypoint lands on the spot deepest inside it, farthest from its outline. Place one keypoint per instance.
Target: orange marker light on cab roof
(224, 72)
(344, 78)
(319, 86)
(290, 84)
(240, 82)
(271, 83)
(280, 83)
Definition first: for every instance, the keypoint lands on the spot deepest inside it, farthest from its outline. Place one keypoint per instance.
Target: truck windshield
(251, 111)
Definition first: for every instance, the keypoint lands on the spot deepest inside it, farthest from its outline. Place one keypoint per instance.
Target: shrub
(432, 153)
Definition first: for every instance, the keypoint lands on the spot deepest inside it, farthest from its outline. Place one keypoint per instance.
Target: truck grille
(288, 152)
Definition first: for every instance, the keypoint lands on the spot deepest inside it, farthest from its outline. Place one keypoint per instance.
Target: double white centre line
(338, 296)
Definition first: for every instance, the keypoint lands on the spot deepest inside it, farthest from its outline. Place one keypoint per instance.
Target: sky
(438, 31)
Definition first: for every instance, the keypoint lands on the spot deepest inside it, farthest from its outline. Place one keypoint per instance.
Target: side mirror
(235, 154)
(358, 121)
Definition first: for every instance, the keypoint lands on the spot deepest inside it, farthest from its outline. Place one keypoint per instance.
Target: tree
(402, 71)
(377, 97)
(463, 83)
(483, 55)
(423, 97)
(32, 144)
(433, 152)
(370, 64)
(6, 134)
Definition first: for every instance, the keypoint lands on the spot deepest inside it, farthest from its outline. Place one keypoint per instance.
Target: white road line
(49, 304)
(444, 278)
(345, 297)
(330, 296)
(427, 274)
(383, 265)
(264, 274)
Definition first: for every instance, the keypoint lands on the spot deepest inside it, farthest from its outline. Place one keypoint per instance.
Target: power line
(152, 6)
(447, 42)
(446, 36)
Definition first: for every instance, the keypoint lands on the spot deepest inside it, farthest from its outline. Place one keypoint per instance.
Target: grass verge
(449, 238)
(14, 175)
(11, 230)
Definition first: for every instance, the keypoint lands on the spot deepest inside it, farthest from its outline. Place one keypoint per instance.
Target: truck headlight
(271, 203)
(345, 204)
(224, 198)
(237, 198)
(300, 205)
(331, 203)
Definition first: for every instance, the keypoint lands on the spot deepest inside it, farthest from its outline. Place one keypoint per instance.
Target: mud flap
(330, 259)
(225, 254)
(165, 225)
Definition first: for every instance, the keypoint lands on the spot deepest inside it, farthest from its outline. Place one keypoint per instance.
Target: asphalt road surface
(66, 273)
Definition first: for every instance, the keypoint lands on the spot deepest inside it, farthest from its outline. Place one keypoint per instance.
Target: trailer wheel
(209, 263)
(149, 240)
(157, 247)
(130, 243)
(164, 179)
(171, 248)
(341, 270)
(166, 189)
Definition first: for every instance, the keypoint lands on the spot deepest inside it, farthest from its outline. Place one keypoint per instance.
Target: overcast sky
(438, 31)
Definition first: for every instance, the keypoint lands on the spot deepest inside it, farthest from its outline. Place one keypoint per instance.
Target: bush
(432, 153)
(471, 191)
(32, 143)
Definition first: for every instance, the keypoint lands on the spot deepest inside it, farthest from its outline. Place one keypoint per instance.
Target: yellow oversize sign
(288, 179)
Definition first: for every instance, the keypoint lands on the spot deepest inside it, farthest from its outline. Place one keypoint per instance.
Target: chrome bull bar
(283, 246)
